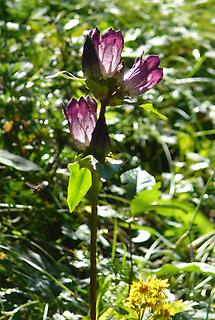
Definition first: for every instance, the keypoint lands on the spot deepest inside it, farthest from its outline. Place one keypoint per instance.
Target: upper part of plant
(108, 81)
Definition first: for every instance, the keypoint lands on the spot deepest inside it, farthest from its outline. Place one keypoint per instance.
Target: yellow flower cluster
(165, 310)
(150, 297)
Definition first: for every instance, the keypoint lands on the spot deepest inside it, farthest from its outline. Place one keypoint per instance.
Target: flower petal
(143, 75)
(154, 77)
(108, 48)
(137, 73)
(152, 62)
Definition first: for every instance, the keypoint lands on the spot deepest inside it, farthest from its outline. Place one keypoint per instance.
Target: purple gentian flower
(143, 75)
(81, 116)
(102, 54)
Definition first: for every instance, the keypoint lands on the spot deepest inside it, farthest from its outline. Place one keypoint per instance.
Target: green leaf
(137, 180)
(182, 212)
(88, 162)
(65, 75)
(80, 181)
(109, 168)
(142, 202)
(197, 66)
(106, 169)
(149, 107)
(200, 267)
(17, 162)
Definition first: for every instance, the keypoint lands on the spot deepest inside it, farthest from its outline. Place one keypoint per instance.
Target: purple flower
(143, 75)
(81, 116)
(102, 54)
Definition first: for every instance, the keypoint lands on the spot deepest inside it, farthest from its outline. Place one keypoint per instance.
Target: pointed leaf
(64, 74)
(17, 162)
(108, 168)
(149, 107)
(80, 181)
(200, 267)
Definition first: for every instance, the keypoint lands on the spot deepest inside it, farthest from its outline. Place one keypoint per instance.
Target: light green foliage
(200, 267)
(144, 200)
(80, 181)
(149, 107)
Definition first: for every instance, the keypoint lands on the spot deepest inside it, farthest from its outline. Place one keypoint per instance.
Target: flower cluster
(151, 297)
(104, 68)
(110, 83)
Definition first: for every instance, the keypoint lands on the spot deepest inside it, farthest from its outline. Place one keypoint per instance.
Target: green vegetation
(156, 214)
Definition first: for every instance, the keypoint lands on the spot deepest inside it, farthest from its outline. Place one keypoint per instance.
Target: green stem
(131, 256)
(93, 241)
(93, 246)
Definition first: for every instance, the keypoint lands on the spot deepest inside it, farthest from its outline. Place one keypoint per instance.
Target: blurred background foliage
(167, 230)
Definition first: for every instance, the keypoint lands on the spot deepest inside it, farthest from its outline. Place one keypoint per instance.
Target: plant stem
(93, 241)
(131, 256)
(93, 244)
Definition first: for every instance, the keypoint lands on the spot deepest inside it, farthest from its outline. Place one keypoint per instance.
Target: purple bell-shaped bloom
(102, 54)
(88, 134)
(143, 75)
(81, 117)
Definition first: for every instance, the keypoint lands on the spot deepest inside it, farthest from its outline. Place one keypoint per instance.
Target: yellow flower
(164, 311)
(157, 287)
(146, 294)
(167, 310)
(150, 296)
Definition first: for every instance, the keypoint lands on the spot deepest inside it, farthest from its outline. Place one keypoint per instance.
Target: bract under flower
(143, 75)
(100, 143)
(81, 116)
